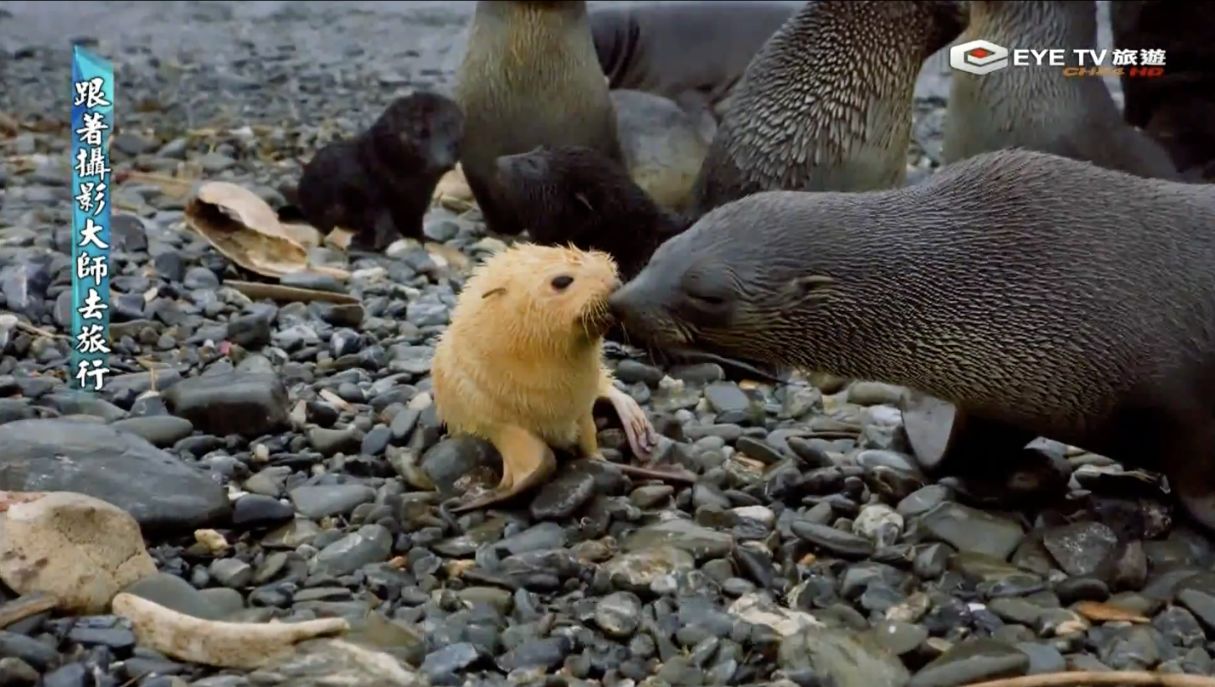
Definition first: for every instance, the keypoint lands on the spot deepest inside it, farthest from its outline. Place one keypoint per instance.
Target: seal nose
(620, 302)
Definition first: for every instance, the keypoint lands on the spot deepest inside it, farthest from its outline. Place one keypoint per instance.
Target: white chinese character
(93, 307)
(84, 200)
(94, 369)
(90, 234)
(91, 128)
(1153, 57)
(92, 339)
(89, 93)
(1125, 57)
(93, 267)
(99, 198)
(91, 163)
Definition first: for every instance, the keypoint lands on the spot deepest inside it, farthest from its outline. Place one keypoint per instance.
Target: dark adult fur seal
(1177, 109)
(1038, 107)
(1039, 293)
(574, 195)
(379, 183)
(826, 105)
(685, 51)
(530, 77)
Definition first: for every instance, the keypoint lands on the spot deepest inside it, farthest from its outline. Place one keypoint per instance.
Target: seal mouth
(596, 318)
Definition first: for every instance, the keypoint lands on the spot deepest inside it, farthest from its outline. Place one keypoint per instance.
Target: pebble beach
(284, 462)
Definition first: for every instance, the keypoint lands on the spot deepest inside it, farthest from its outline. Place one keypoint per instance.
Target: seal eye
(560, 283)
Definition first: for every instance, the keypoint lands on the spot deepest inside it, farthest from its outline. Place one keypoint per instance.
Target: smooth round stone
(618, 614)
(833, 540)
(898, 637)
(255, 510)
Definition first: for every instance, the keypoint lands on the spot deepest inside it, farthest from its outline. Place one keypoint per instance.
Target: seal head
(576, 195)
(724, 290)
(559, 292)
(423, 131)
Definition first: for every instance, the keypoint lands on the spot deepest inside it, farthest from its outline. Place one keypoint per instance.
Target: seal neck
(1035, 23)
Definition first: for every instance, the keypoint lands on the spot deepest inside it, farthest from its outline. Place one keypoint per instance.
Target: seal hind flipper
(526, 462)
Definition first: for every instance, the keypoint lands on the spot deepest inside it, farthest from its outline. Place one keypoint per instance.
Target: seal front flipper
(642, 437)
(987, 462)
(526, 462)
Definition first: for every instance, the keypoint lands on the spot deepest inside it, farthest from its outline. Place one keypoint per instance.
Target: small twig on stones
(23, 607)
(37, 331)
(1087, 678)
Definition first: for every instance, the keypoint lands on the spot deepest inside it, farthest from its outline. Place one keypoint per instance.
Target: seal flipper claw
(637, 427)
(526, 462)
(681, 476)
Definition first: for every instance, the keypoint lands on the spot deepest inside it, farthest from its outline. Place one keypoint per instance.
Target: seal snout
(627, 305)
(444, 154)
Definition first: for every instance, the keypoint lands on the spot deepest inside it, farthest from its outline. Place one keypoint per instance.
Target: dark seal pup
(1177, 109)
(826, 105)
(691, 52)
(379, 184)
(1038, 107)
(530, 77)
(574, 195)
(1042, 294)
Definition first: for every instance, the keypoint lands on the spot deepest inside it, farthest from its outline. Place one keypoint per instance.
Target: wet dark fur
(671, 49)
(1177, 109)
(530, 77)
(1051, 295)
(816, 111)
(1037, 107)
(575, 195)
(379, 184)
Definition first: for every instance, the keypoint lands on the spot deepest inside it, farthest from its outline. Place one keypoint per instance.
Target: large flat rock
(160, 491)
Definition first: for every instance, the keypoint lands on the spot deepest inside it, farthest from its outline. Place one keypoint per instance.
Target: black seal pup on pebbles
(379, 184)
(575, 195)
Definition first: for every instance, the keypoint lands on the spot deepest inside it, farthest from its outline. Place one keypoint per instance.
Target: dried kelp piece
(279, 292)
(246, 230)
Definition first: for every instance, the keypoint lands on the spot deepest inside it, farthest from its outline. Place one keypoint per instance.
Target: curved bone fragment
(216, 643)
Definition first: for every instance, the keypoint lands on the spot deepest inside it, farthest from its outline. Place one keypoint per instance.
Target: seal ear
(810, 287)
(494, 292)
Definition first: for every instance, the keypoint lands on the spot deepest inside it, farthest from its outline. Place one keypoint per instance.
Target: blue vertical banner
(92, 126)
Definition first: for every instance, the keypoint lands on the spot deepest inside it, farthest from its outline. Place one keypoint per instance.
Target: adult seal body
(530, 77)
(826, 104)
(1044, 295)
(1040, 108)
(691, 52)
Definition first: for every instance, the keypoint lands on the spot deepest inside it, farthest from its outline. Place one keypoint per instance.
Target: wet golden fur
(521, 352)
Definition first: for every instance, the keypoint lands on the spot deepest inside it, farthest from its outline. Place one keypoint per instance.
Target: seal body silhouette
(1038, 107)
(1037, 293)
